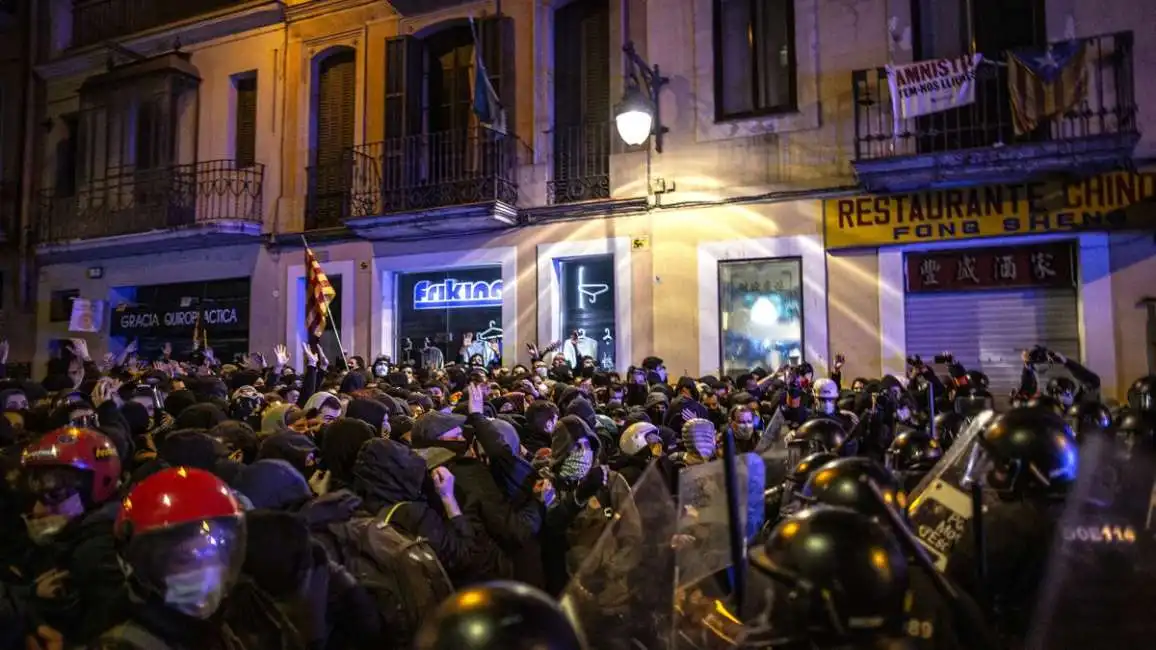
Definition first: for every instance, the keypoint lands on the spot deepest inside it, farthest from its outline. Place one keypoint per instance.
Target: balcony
(581, 167)
(96, 21)
(128, 210)
(978, 143)
(435, 183)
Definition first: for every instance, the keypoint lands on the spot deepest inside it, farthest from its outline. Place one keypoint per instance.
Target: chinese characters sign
(978, 269)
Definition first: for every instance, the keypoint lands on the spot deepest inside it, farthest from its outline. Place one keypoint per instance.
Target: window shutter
(596, 64)
(403, 86)
(498, 53)
(245, 122)
(335, 130)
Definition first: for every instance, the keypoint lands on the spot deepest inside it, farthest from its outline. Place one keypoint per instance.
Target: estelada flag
(1045, 82)
(318, 294)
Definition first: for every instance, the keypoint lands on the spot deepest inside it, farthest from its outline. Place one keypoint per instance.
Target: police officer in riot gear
(840, 581)
(814, 436)
(784, 499)
(1028, 457)
(1088, 418)
(498, 616)
(911, 456)
(1082, 385)
(948, 426)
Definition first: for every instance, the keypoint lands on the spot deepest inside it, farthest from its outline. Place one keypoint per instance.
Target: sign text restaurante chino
(1095, 203)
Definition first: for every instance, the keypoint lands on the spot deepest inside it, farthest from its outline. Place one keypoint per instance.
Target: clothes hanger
(426, 345)
(582, 334)
(408, 344)
(606, 337)
(492, 332)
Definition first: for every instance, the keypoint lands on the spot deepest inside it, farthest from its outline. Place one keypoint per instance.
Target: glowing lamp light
(634, 117)
(764, 312)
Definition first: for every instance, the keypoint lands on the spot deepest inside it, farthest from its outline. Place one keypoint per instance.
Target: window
(60, 305)
(761, 305)
(245, 119)
(587, 288)
(754, 75)
(450, 316)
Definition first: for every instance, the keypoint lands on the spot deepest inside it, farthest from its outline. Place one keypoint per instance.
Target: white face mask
(903, 414)
(541, 371)
(197, 593)
(41, 530)
(826, 406)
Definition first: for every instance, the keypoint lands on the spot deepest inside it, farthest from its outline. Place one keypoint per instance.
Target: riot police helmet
(1088, 417)
(1063, 390)
(844, 483)
(1048, 403)
(972, 400)
(814, 436)
(497, 615)
(948, 425)
(913, 451)
(843, 578)
(1142, 396)
(791, 499)
(1026, 452)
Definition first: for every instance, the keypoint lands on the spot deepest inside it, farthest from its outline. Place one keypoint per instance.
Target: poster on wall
(450, 316)
(588, 327)
(761, 314)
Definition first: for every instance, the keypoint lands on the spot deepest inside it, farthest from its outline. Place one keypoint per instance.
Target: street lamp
(636, 116)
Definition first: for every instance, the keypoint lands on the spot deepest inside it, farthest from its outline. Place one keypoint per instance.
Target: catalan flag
(1044, 83)
(318, 294)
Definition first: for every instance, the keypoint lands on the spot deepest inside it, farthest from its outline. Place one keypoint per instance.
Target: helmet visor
(193, 565)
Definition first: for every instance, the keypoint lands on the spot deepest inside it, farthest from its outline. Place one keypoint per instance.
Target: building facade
(187, 154)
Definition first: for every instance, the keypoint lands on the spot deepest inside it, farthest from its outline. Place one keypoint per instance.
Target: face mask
(458, 447)
(661, 372)
(541, 371)
(903, 414)
(41, 530)
(744, 431)
(577, 464)
(196, 593)
(380, 370)
(827, 407)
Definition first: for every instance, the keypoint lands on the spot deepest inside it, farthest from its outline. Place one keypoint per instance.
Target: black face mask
(458, 447)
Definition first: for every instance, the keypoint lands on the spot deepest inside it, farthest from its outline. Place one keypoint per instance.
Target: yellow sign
(1095, 203)
(641, 243)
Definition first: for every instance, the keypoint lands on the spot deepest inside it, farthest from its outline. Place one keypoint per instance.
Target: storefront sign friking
(1116, 201)
(455, 294)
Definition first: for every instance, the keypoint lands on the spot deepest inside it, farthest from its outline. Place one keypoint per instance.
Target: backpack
(400, 571)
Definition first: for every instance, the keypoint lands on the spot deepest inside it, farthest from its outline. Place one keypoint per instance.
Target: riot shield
(940, 506)
(1101, 579)
(703, 542)
(622, 594)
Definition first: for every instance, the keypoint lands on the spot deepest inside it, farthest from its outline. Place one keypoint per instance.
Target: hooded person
(353, 381)
(687, 402)
(583, 409)
(698, 441)
(239, 440)
(541, 417)
(299, 450)
(201, 416)
(656, 406)
(342, 442)
(588, 494)
(192, 448)
(390, 478)
(275, 419)
(372, 412)
(274, 484)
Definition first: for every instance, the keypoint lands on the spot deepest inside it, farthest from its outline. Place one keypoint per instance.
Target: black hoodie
(387, 472)
(369, 411)
(343, 440)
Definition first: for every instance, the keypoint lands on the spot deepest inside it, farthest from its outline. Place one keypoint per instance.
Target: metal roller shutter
(987, 330)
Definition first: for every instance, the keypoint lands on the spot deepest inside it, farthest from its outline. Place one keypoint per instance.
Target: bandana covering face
(577, 464)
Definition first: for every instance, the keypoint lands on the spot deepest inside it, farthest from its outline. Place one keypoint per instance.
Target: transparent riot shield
(703, 534)
(622, 593)
(1100, 585)
(941, 505)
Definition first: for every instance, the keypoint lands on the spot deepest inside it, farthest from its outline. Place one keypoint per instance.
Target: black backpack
(400, 571)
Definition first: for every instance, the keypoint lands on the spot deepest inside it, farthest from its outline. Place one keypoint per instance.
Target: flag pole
(332, 326)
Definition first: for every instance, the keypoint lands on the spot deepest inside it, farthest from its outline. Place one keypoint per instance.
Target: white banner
(87, 316)
(926, 87)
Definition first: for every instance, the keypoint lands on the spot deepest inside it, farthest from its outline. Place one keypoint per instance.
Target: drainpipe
(27, 288)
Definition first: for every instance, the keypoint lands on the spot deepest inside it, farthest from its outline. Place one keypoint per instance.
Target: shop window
(587, 299)
(450, 316)
(60, 305)
(754, 73)
(184, 314)
(761, 314)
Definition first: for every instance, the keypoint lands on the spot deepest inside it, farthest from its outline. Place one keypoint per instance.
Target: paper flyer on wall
(87, 316)
(926, 87)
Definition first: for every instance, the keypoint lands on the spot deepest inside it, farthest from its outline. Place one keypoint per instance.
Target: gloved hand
(590, 484)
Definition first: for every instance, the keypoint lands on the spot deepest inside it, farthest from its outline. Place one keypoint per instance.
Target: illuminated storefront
(216, 312)
(449, 316)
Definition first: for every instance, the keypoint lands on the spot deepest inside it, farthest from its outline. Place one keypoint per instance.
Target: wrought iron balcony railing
(419, 172)
(129, 201)
(96, 21)
(1108, 108)
(581, 168)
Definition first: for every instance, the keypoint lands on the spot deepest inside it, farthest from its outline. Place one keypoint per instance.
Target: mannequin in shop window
(579, 346)
(407, 352)
(432, 358)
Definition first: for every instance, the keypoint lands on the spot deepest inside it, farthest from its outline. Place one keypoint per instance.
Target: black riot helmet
(977, 379)
(791, 493)
(1132, 431)
(948, 426)
(498, 615)
(1088, 417)
(814, 436)
(1048, 403)
(1062, 389)
(970, 401)
(1026, 452)
(843, 483)
(913, 451)
(1142, 396)
(843, 577)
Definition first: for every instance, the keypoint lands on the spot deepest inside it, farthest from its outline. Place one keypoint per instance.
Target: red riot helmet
(67, 472)
(181, 538)
(89, 453)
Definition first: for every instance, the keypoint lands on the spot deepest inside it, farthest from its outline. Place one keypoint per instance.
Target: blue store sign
(452, 293)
